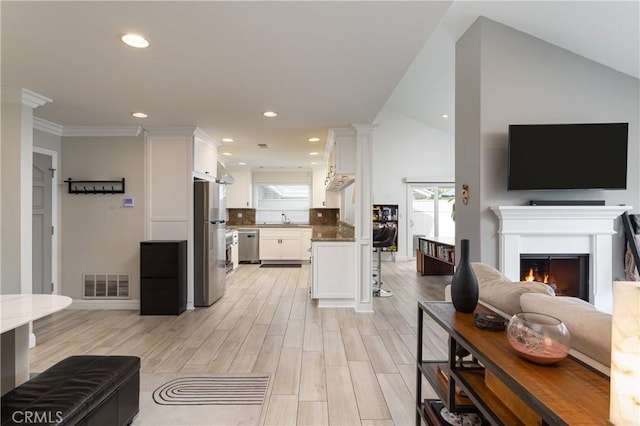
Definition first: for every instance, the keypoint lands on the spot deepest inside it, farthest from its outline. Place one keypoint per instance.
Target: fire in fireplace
(568, 274)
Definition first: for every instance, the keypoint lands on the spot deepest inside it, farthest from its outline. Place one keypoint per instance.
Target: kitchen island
(333, 278)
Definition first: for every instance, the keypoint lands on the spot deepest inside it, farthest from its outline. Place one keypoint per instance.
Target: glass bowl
(539, 338)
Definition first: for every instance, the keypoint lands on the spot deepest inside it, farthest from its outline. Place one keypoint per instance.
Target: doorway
(44, 218)
(430, 212)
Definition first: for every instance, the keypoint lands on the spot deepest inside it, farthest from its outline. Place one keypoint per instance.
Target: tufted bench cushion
(79, 390)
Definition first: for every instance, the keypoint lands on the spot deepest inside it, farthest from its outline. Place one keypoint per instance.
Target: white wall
(99, 235)
(406, 148)
(504, 76)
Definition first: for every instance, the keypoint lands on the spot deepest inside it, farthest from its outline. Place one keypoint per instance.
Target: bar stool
(382, 237)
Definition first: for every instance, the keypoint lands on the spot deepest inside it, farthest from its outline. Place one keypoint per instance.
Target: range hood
(340, 181)
(222, 175)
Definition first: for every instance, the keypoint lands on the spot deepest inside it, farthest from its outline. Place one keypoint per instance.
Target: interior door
(431, 211)
(42, 224)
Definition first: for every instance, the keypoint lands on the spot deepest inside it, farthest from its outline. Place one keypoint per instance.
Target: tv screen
(568, 156)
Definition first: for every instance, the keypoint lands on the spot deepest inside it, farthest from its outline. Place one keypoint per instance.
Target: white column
(16, 188)
(363, 237)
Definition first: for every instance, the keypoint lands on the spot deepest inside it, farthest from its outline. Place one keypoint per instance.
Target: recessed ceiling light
(139, 115)
(227, 140)
(135, 40)
(270, 114)
(242, 163)
(313, 153)
(445, 116)
(313, 139)
(314, 162)
(226, 154)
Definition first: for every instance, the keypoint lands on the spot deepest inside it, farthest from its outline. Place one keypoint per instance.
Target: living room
(503, 76)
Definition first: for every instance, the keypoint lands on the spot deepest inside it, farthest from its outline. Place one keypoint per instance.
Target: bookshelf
(435, 256)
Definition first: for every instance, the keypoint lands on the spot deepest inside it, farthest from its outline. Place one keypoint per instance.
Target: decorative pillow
(590, 328)
(500, 292)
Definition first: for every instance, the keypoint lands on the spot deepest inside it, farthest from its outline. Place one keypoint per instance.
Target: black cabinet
(163, 277)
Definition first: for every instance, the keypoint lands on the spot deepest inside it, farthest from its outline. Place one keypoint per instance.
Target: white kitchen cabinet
(281, 244)
(235, 259)
(240, 193)
(205, 157)
(305, 243)
(333, 280)
(341, 164)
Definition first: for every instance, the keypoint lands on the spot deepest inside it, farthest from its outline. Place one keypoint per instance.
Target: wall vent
(106, 286)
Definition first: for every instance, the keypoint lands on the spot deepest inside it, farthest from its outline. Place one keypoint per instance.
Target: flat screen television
(568, 156)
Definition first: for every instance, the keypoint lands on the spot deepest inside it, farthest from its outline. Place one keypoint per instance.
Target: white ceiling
(219, 65)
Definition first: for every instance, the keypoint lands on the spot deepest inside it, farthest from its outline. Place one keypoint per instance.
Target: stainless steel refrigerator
(209, 242)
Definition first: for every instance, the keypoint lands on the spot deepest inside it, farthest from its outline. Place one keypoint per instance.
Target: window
(277, 202)
(431, 210)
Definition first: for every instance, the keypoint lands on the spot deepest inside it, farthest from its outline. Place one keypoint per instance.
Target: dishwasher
(248, 245)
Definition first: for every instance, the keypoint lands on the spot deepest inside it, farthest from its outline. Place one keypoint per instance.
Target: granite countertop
(320, 232)
(332, 233)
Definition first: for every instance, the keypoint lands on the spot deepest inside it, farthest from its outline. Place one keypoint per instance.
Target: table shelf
(502, 387)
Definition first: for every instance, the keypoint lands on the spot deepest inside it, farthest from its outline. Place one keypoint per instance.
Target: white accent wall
(504, 76)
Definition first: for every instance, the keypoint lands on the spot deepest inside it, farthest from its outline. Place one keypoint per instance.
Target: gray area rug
(201, 399)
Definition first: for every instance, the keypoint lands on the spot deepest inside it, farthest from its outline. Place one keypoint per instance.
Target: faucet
(285, 219)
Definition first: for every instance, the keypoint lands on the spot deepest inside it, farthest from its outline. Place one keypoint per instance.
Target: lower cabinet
(284, 243)
(163, 277)
(333, 279)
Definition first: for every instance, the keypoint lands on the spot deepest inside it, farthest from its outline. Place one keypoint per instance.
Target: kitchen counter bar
(340, 232)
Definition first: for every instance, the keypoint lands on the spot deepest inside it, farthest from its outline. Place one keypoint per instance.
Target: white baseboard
(128, 304)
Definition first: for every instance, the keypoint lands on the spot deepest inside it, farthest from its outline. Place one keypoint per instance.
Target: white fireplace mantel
(561, 230)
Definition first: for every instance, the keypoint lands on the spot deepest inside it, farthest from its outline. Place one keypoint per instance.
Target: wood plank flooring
(327, 366)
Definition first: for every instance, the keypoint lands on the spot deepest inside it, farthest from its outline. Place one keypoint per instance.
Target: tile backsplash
(241, 217)
(324, 216)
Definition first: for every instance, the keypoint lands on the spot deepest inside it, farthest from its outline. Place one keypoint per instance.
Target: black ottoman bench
(79, 390)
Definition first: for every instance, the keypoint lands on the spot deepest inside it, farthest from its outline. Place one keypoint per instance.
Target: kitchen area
(320, 234)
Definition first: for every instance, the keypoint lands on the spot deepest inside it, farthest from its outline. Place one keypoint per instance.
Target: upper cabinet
(239, 194)
(205, 157)
(341, 158)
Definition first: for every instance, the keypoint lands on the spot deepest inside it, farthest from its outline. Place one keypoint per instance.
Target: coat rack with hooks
(95, 186)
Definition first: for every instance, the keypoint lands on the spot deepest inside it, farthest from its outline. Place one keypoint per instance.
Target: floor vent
(106, 286)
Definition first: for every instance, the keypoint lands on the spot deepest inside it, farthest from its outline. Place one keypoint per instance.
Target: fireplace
(561, 230)
(568, 274)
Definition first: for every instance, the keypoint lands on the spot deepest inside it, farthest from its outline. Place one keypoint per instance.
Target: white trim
(33, 99)
(124, 304)
(430, 179)
(118, 131)
(54, 216)
(17, 95)
(156, 131)
(47, 126)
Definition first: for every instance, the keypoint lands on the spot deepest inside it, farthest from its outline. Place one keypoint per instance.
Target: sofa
(590, 328)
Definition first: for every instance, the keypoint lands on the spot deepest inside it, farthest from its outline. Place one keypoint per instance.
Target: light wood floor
(328, 366)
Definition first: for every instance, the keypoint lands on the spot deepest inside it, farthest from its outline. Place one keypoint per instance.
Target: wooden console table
(568, 392)
(435, 257)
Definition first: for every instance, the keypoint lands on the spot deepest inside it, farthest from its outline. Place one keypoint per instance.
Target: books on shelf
(437, 250)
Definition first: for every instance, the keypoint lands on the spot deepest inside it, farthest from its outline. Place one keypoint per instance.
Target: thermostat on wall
(128, 202)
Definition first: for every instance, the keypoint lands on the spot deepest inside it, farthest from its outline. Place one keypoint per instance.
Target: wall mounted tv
(568, 156)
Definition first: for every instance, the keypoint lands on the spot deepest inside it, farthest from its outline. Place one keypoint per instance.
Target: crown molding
(118, 131)
(181, 131)
(47, 126)
(24, 96)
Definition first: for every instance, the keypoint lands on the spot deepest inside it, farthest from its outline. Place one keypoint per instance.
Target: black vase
(464, 285)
